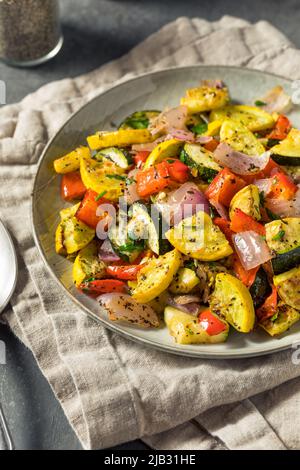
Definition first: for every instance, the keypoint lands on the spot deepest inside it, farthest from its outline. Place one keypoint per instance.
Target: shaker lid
(8, 267)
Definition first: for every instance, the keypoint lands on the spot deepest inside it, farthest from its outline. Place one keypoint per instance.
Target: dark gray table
(95, 32)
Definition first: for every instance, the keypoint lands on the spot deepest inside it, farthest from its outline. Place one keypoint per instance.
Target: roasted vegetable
(260, 288)
(252, 117)
(121, 138)
(282, 186)
(69, 211)
(121, 157)
(198, 237)
(102, 177)
(71, 161)
(187, 329)
(125, 247)
(224, 186)
(87, 265)
(232, 300)
(284, 318)
(286, 261)
(122, 307)
(156, 276)
(283, 235)
(72, 186)
(139, 119)
(241, 222)
(96, 287)
(287, 152)
(202, 160)
(288, 287)
(204, 98)
(169, 148)
(184, 281)
(72, 235)
(240, 138)
(247, 200)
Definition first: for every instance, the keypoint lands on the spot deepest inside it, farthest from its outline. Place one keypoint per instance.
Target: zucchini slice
(286, 261)
(197, 157)
(184, 281)
(260, 288)
(287, 152)
(247, 199)
(204, 98)
(284, 318)
(121, 157)
(240, 138)
(283, 235)
(167, 149)
(146, 223)
(288, 287)
(232, 300)
(87, 265)
(199, 238)
(186, 329)
(156, 276)
(252, 117)
(121, 138)
(125, 247)
(139, 119)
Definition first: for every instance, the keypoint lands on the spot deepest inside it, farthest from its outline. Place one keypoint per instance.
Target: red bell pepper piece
(224, 186)
(247, 277)
(224, 226)
(242, 222)
(128, 273)
(269, 307)
(72, 186)
(212, 325)
(211, 145)
(281, 129)
(141, 157)
(178, 171)
(102, 286)
(282, 187)
(88, 209)
(153, 179)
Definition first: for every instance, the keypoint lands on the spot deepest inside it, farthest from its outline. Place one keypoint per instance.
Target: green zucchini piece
(123, 245)
(286, 261)
(197, 157)
(287, 152)
(120, 157)
(147, 224)
(283, 235)
(260, 288)
(139, 119)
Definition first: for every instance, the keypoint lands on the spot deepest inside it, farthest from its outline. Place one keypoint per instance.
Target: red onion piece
(191, 308)
(106, 252)
(283, 207)
(203, 139)
(213, 83)
(239, 162)
(180, 134)
(174, 118)
(222, 210)
(277, 101)
(186, 299)
(251, 249)
(264, 185)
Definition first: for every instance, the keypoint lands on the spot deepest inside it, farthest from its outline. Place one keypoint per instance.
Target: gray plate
(151, 91)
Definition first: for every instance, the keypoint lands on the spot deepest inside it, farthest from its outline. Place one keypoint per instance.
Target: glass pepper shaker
(30, 32)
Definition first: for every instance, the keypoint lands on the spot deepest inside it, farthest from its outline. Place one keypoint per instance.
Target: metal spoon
(5, 437)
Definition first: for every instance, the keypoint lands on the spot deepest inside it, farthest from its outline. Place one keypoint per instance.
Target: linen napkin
(113, 390)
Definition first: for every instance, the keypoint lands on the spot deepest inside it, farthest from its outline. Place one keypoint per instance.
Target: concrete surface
(95, 32)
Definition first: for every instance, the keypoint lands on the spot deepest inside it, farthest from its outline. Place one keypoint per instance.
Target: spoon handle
(5, 438)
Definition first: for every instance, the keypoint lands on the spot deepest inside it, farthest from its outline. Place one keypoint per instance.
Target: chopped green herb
(262, 198)
(259, 103)
(100, 195)
(272, 142)
(279, 236)
(274, 317)
(200, 128)
(271, 215)
(117, 177)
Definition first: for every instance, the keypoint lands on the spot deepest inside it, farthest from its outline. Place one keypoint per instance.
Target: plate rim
(115, 327)
(15, 266)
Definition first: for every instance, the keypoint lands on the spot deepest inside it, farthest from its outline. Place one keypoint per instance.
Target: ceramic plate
(8, 267)
(151, 91)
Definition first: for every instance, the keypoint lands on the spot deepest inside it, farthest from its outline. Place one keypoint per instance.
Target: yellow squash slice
(252, 117)
(240, 138)
(184, 281)
(204, 98)
(186, 329)
(101, 176)
(87, 265)
(167, 149)
(198, 237)
(284, 318)
(72, 235)
(71, 161)
(232, 300)
(288, 287)
(247, 200)
(156, 276)
(120, 138)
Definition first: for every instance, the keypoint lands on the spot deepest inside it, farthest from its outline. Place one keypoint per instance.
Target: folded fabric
(113, 390)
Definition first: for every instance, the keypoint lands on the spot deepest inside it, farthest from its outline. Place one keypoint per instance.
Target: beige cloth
(113, 390)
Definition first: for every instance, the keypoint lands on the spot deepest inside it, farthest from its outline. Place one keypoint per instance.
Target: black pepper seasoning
(30, 31)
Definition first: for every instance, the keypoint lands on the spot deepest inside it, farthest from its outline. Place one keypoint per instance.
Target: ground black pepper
(29, 31)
